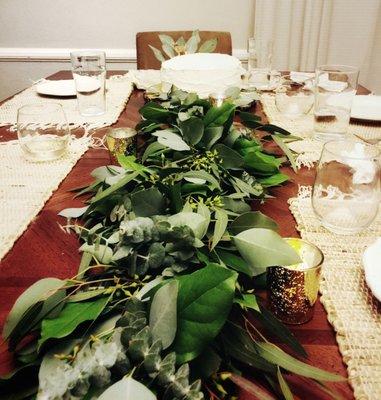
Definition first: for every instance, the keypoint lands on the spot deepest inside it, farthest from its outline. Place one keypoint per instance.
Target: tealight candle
(217, 99)
(120, 141)
(293, 289)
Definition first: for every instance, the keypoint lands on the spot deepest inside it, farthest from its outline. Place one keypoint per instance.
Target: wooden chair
(147, 60)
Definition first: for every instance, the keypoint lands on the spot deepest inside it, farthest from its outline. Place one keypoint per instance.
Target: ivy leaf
(197, 324)
(252, 219)
(208, 46)
(147, 202)
(72, 315)
(230, 158)
(219, 227)
(163, 314)
(127, 388)
(169, 139)
(217, 116)
(158, 54)
(192, 130)
(262, 248)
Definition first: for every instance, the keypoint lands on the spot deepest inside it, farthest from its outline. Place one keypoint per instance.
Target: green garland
(163, 303)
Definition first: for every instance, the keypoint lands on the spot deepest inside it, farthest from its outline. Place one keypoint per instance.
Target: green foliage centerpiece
(163, 304)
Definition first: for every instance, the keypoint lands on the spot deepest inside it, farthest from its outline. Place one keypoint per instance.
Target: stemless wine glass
(346, 192)
(294, 98)
(43, 131)
(260, 62)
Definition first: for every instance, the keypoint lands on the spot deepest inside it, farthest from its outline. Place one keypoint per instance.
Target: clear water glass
(346, 192)
(260, 62)
(294, 99)
(89, 73)
(43, 131)
(335, 89)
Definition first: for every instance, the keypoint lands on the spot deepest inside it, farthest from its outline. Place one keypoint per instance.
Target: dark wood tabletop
(45, 250)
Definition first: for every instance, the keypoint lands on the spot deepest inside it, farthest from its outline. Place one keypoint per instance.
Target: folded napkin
(145, 78)
(301, 77)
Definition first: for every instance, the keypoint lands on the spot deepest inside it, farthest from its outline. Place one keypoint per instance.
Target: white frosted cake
(203, 73)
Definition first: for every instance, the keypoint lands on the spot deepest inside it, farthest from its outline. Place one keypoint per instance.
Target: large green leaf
(72, 315)
(262, 248)
(261, 162)
(169, 139)
(147, 202)
(222, 220)
(192, 130)
(101, 252)
(275, 355)
(152, 149)
(273, 180)
(129, 163)
(127, 388)
(163, 314)
(204, 301)
(233, 261)
(230, 158)
(217, 116)
(155, 112)
(40, 292)
(252, 219)
(196, 222)
(211, 135)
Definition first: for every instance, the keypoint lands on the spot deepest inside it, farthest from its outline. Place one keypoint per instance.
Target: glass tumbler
(43, 131)
(294, 99)
(335, 88)
(346, 192)
(89, 73)
(260, 62)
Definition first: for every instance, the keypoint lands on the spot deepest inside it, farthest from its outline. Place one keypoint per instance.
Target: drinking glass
(293, 289)
(294, 98)
(43, 131)
(89, 72)
(335, 88)
(346, 192)
(260, 62)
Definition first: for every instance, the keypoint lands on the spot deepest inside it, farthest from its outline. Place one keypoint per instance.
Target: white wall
(47, 29)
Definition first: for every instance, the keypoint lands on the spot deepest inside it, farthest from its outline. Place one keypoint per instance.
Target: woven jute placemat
(26, 186)
(351, 309)
(308, 149)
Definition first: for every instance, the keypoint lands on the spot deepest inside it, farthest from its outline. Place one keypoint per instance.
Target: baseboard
(28, 54)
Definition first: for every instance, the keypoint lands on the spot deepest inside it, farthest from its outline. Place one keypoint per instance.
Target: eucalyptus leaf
(127, 388)
(101, 252)
(204, 211)
(211, 135)
(151, 150)
(219, 227)
(163, 314)
(155, 112)
(197, 325)
(262, 248)
(146, 203)
(73, 212)
(102, 173)
(252, 219)
(84, 264)
(208, 46)
(237, 206)
(171, 140)
(201, 174)
(196, 222)
(261, 162)
(286, 150)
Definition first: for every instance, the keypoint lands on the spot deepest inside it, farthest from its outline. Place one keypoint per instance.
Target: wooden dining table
(45, 250)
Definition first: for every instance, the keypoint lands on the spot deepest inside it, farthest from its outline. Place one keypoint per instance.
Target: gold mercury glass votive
(120, 141)
(293, 289)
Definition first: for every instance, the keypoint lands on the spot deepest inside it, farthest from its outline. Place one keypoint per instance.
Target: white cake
(203, 73)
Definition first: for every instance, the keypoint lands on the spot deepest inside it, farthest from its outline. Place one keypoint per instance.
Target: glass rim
(85, 53)
(318, 265)
(375, 150)
(337, 68)
(36, 106)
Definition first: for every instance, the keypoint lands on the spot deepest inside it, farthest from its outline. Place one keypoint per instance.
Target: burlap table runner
(351, 309)
(308, 149)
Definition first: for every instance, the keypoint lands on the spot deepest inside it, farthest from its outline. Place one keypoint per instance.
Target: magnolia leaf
(262, 248)
(203, 210)
(219, 227)
(197, 324)
(73, 212)
(169, 139)
(250, 387)
(40, 291)
(284, 386)
(192, 43)
(233, 261)
(252, 219)
(203, 175)
(158, 54)
(196, 222)
(208, 46)
(192, 130)
(155, 112)
(163, 314)
(261, 162)
(211, 135)
(236, 206)
(147, 202)
(152, 149)
(101, 252)
(217, 116)
(275, 355)
(230, 158)
(273, 180)
(125, 389)
(71, 316)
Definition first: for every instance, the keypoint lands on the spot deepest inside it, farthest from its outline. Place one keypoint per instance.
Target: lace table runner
(352, 310)
(26, 186)
(308, 149)
(118, 91)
